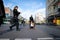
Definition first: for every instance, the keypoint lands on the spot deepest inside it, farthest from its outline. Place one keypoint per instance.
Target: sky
(27, 7)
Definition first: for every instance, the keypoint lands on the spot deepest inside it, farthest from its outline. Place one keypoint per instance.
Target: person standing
(15, 18)
(31, 19)
(2, 12)
(23, 22)
(31, 22)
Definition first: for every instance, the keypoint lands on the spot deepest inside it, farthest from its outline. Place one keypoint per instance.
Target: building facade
(52, 10)
(8, 12)
(39, 18)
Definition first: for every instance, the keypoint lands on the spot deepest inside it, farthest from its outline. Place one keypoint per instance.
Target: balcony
(54, 2)
(49, 2)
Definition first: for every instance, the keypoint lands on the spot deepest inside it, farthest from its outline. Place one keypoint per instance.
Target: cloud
(8, 5)
(32, 8)
(27, 8)
(42, 11)
(37, 5)
(27, 13)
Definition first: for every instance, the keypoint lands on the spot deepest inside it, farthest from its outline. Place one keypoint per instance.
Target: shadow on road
(5, 31)
(55, 37)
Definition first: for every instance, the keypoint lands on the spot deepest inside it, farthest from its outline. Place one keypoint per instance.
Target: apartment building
(52, 10)
(8, 12)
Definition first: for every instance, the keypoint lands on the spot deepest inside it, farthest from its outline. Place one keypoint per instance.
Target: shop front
(58, 19)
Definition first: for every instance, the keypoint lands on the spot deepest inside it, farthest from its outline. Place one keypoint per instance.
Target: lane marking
(4, 39)
(44, 38)
(23, 39)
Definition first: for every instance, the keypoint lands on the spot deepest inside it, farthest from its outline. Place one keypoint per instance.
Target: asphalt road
(41, 32)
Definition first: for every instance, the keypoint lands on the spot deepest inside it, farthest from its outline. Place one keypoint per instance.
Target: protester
(31, 22)
(15, 18)
(2, 12)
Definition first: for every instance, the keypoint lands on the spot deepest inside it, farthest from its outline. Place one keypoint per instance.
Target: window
(7, 14)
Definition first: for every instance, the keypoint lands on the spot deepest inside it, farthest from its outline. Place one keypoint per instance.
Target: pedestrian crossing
(45, 39)
(31, 39)
(4, 39)
(23, 39)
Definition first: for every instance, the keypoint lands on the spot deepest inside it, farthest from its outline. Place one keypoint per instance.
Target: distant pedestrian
(23, 22)
(31, 22)
(15, 18)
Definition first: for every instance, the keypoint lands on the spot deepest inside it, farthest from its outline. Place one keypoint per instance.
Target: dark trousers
(15, 24)
(1, 21)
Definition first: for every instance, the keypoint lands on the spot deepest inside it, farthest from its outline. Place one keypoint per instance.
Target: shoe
(17, 29)
(10, 28)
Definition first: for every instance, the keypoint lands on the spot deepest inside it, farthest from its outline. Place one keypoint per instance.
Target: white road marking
(4, 39)
(44, 38)
(23, 39)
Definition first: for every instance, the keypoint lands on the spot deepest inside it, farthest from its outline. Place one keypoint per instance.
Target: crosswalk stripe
(23, 39)
(44, 38)
(4, 39)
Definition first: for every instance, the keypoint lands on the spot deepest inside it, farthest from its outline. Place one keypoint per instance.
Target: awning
(51, 17)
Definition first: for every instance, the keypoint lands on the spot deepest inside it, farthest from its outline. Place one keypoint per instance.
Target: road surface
(41, 32)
